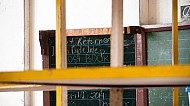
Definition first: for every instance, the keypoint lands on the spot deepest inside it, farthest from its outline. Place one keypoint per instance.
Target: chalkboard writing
(93, 51)
(99, 97)
(88, 97)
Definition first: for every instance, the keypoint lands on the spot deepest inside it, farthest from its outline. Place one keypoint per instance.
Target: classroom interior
(95, 53)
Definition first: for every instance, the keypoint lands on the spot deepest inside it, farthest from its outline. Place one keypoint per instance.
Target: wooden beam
(61, 57)
(26, 34)
(116, 97)
(175, 46)
(144, 12)
(140, 49)
(175, 32)
(117, 48)
(61, 48)
(46, 98)
(117, 38)
(141, 97)
(28, 95)
(140, 60)
(43, 37)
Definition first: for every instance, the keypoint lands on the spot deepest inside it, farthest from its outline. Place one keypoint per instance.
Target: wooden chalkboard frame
(163, 27)
(141, 93)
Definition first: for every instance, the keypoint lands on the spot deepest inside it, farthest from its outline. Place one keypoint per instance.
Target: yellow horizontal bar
(180, 71)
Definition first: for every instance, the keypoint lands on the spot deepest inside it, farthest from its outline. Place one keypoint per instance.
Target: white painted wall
(12, 99)
(184, 2)
(12, 33)
(160, 11)
(11, 45)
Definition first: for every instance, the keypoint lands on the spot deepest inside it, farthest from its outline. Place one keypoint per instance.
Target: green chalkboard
(159, 52)
(88, 51)
(92, 51)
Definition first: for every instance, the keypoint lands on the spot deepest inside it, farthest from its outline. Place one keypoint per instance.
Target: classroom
(95, 53)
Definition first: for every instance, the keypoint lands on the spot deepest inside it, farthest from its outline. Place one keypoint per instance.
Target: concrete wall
(11, 46)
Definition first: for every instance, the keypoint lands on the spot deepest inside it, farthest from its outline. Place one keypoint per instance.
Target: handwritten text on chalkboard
(94, 50)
